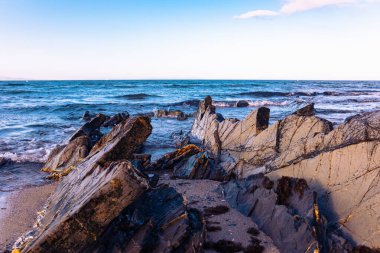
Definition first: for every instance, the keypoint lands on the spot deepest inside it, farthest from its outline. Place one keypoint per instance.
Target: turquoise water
(37, 115)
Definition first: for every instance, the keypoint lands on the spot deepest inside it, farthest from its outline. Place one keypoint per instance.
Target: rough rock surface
(170, 114)
(286, 210)
(341, 164)
(116, 119)
(83, 205)
(348, 181)
(64, 158)
(238, 145)
(225, 225)
(90, 128)
(158, 221)
(189, 162)
(95, 192)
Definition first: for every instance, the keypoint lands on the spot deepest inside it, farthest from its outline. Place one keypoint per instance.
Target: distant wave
(300, 93)
(15, 92)
(251, 103)
(137, 96)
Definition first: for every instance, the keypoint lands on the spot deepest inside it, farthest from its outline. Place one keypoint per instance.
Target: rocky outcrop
(243, 147)
(84, 204)
(341, 164)
(158, 221)
(90, 129)
(116, 119)
(95, 192)
(179, 115)
(64, 158)
(348, 182)
(189, 162)
(285, 210)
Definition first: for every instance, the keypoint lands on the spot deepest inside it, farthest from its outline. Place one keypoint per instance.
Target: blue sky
(216, 39)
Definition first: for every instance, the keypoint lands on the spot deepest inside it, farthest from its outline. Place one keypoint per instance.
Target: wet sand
(18, 211)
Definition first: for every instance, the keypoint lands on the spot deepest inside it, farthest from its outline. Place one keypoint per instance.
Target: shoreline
(18, 211)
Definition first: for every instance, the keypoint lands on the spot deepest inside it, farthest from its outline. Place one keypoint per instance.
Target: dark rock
(181, 139)
(158, 221)
(89, 128)
(94, 193)
(123, 140)
(306, 111)
(63, 159)
(144, 158)
(223, 246)
(86, 116)
(153, 179)
(179, 115)
(3, 161)
(116, 119)
(168, 161)
(242, 103)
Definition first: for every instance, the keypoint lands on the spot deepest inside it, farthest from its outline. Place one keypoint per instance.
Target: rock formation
(341, 164)
(94, 192)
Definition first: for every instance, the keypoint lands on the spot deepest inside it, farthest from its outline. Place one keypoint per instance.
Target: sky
(198, 39)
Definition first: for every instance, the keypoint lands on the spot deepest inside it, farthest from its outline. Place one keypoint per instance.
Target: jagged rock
(123, 140)
(143, 158)
(116, 119)
(90, 127)
(285, 210)
(86, 116)
(306, 111)
(242, 103)
(94, 192)
(158, 221)
(244, 147)
(84, 204)
(63, 159)
(347, 180)
(181, 139)
(179, 115)
(168, 161)
(198, 166)
(3, 161)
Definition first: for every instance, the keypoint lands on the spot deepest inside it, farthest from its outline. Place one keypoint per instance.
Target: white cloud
(257, 13)
(294, 6)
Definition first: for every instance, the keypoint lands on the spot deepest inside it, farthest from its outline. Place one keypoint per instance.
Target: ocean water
(37, 115)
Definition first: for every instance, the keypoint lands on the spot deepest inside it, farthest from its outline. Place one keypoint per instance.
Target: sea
(35, 116)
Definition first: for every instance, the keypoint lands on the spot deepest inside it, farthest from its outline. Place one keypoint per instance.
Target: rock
(347, 182)
(198, 166)
(158, 221)
(84, 204)
(143, 158)
(3, 161)
(179, 115)
(90, 127)
(242, 103)
(86, 116)
(181, 139)
(306, 111)
(63, 159)
(116, 119)
(95, 191)
(123, 140)
(285, 210)
(244, 147)
(168, 161)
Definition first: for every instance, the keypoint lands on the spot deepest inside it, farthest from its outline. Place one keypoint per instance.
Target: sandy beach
(18, 211)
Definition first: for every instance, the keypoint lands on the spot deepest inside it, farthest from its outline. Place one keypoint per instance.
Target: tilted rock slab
(64, 158)
(94, 193)
(158, 221)
(244, 147)
(348, 180)
(285, 210)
